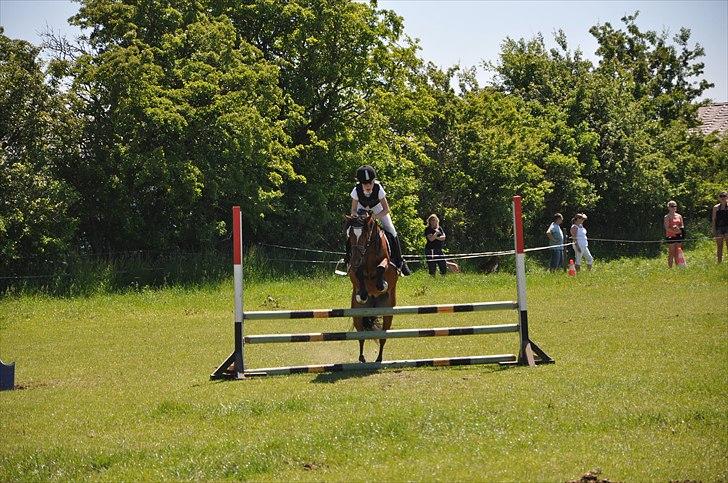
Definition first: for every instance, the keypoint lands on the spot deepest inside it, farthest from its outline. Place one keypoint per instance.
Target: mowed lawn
(116, 387)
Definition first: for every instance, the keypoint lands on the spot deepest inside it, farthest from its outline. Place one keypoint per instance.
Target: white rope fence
(411, 258)
(415, 258)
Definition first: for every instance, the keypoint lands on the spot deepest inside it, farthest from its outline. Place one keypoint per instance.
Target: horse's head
(363, 233)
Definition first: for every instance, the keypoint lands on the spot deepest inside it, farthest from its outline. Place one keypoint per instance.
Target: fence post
(234, 367)
(527, 346)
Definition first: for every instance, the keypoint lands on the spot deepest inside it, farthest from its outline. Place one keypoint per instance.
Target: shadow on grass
(331, 377)
(464, 371)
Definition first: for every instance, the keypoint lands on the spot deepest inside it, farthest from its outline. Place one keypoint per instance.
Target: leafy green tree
(359, 87)
(555, 84)
(192, 106)
(171, 111)
(643, 104)
(665, 76)
(486, 147)
(617, 131)
(182, 119)
(36, 229)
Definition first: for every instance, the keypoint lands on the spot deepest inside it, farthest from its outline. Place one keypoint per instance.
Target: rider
(369, 194)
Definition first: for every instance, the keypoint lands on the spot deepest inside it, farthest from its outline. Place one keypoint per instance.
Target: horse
(373, 276)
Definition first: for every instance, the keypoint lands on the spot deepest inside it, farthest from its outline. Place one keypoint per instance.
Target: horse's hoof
(385, 286)
(361, 359)
(361, 300)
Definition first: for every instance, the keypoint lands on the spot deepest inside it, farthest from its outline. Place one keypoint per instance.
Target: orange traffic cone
(572, 268)
(680, 258)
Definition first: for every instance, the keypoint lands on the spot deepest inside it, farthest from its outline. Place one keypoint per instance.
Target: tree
(643, 104)
(660, 74)
(615, 132)
(36, 229)
(359, 87)
(182, 119)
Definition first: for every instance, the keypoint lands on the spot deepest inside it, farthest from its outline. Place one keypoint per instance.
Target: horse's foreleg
(386, 325)
(361, 295)
(381, 283)
(361, 351)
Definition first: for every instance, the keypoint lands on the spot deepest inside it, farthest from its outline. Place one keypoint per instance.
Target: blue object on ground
(7, 376)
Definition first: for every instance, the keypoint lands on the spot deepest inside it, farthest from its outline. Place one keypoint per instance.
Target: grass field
(116, 387)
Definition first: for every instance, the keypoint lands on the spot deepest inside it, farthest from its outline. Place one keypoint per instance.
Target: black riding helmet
(365, 174)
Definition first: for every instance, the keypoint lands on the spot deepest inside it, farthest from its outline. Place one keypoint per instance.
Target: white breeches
(583, 251)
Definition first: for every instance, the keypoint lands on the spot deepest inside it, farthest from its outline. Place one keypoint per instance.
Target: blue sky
(470, 31)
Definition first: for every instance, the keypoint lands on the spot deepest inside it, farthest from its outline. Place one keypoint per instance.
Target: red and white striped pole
(525, 355)
(233, 367)
(238, 284)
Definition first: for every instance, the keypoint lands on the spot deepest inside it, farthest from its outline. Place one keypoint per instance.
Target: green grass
(115, 387)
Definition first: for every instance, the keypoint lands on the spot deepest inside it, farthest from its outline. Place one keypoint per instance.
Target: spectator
(674, 230)
(556, 239)
(433, 248)
(719, 222)
(581, 244)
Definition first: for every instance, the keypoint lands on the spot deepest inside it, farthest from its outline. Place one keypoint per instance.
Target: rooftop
(714, 117)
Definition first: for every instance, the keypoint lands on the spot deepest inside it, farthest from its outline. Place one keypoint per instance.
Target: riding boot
(397, 255)
(347, 255)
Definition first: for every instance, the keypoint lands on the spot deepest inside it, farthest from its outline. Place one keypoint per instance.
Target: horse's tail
(372, 323)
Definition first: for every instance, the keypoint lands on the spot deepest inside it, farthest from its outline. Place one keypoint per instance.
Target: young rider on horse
(369, 194)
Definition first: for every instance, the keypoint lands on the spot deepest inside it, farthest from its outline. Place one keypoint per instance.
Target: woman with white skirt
(581, 244)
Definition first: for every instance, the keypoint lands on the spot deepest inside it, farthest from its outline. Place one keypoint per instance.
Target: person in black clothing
(719, 222)
(369, 194)
(433, 248)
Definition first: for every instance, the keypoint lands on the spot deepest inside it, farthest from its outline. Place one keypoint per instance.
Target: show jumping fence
(529, 353)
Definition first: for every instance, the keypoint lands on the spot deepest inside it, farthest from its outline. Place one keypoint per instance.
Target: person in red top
(674, 231)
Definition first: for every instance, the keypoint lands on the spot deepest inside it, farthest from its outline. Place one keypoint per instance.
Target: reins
(363, 250)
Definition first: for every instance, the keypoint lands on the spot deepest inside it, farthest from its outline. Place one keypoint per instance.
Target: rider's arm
(385, 209)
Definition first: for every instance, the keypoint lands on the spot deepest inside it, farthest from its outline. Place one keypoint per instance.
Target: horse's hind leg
(361, 351)
(385, 326)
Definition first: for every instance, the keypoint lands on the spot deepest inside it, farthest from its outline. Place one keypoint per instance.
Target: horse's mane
(366, 222)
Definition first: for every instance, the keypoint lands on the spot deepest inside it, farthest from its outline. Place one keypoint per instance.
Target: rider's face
(367, 185)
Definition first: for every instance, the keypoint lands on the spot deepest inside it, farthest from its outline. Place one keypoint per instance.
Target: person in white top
(581, 244)
(369, 194)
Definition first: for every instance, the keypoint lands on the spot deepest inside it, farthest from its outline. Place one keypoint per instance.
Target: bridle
(363, 248)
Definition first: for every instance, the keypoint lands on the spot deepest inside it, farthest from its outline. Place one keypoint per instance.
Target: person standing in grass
(556, 239)
(581, 244)
(674, 230)
(435, 236)
(719, 222)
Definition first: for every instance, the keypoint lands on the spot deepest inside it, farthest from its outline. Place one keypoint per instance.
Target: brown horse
(373, 276)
